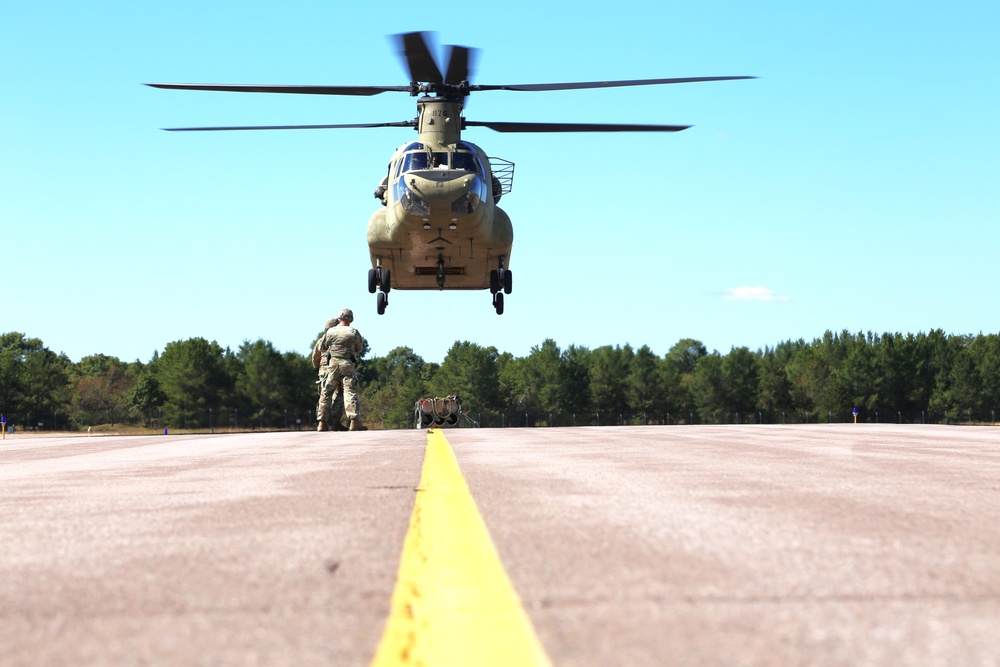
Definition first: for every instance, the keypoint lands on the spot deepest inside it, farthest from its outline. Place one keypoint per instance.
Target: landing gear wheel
(372, 276)
(494, 281)
(381, 301)
(384, 281)
(498, 302)
(507, 282)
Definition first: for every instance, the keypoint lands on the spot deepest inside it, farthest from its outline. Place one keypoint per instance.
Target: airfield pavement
(680, 545)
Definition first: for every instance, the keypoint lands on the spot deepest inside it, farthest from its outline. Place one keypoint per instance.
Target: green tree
(807, 377)
(303, 391)
(985, 352)
(144, 397)
(392, 385)
(470, 371)
(532, 384)
(644, 390)
(609, 368)
(14, 348)
(739, 380)
(853, 383)
(707, 387)
(895, 362)
(931, 362)
(264, 381)
(194, 376)
(774, 389)
(33, 382)
(100, 385)
(677, 376)
(574, 381)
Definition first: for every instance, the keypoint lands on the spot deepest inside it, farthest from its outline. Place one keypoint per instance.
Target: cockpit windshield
(466, 161)
(415, 161)
(418, 158)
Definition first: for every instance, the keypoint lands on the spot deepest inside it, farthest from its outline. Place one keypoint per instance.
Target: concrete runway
(682, 545)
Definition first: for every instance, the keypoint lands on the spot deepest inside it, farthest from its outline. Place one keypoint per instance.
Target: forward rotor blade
(573, 127)
(402, 123)
(605, 84)
(300, 90)
(459, 65)
(418, 57)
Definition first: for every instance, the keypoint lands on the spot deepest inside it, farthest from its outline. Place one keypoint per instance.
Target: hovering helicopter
(439, 226)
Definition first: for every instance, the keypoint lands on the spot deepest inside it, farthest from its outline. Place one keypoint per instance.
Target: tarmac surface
(679, 545)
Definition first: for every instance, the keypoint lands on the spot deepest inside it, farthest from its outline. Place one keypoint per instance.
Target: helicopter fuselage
(440, 226)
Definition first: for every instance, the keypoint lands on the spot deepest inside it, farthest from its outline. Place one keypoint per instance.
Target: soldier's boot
(321, 426)
(337, 425)
(356, 425)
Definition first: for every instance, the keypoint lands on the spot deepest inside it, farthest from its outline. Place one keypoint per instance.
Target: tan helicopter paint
(417, 249)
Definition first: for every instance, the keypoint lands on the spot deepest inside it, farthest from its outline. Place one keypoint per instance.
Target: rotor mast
(439, 120)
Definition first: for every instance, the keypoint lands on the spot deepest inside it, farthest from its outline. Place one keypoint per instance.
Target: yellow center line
(453, 603)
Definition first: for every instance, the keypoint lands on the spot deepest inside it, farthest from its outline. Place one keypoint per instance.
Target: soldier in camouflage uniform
(331, 405)
(343, 344)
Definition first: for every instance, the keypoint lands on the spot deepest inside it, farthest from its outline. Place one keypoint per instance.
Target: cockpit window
(415, 161)
(419, 158)
(466, 161)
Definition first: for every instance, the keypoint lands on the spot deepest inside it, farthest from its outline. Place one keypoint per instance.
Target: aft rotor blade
(418, 57)
(459, 65)
(300, 90)
(402, 123)
(573, 127)
(605, 84)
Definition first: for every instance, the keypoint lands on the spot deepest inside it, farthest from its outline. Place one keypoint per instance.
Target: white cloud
(757, 293)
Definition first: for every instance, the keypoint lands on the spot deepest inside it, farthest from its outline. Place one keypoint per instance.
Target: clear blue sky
(855, 185)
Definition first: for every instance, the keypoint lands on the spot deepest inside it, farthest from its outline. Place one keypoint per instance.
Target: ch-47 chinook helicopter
(439, 226)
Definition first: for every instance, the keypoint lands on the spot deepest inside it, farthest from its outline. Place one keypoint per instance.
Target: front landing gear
(380, 279)
(500, 279)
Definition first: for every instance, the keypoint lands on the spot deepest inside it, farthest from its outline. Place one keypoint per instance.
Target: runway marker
(453, 603)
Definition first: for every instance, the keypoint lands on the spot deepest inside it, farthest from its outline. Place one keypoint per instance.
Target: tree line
(196, 384)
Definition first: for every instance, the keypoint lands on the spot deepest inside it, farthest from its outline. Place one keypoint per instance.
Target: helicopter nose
(439, 188)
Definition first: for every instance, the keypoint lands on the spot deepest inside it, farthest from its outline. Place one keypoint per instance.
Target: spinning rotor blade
(419, 61)
(301, 90)
(459, 65)
(402, 123)
(573, 127)
(605, 84)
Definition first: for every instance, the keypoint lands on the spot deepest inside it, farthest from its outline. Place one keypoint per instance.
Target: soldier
(342, 344)
(334, 402)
